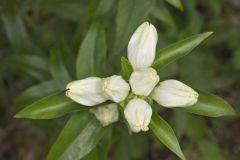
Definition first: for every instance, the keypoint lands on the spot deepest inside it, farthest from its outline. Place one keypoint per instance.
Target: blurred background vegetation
(38, 35)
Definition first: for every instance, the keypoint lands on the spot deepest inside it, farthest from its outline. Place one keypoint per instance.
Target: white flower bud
(173, 93)
(106, 114)
(115, 88)
(143, 81)
(142, 46)
(138, 114)
(87, 91)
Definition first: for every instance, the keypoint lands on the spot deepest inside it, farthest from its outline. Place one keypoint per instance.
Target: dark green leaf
(165, 134)
(35, 66)
(36, 92)
(129, 147)
(130, 14)
(85, 60)
(91, 59)
(178, 50)
(100, 152)
(210, 105)
(80, 135)
(50, 107)
(100, 54)
(14, 26)
(73, 10)
(126, 68)
(104, 6)
(58, 69)
(176, 3)
(160, 12)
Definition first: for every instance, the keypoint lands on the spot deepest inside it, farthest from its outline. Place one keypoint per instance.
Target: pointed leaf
(50, 107)
(58, 69)
(130, 14)
(85, 59)
(36, 92)
(166, 135)
(91, 60)
(126, 68)
(160, 12)
(210, 105)
(32, 65)
(178, 50)
(176, 3)
(100, 152)
(80, 135)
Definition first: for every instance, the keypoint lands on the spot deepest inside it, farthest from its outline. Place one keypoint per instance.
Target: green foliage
(130, 14)
(36, 92)
(50, 107)
(88, 36)
(92, 53)
(35, 66)
(126, 68)
(80, 135)
(58, 70)
(210, 105)
(178, 50)
(165, 134)
(176, 3)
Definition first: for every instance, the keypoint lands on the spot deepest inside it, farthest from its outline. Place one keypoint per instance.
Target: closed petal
(115, 88)
(87, 91)
(142, 46)
(173, 93)
(143, 81)
(138, 115)
(106, 114)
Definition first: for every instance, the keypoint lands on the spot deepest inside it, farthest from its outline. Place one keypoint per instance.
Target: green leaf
(58, 69)
(210, 105)
(126, 68)
(73, 10)
(104, 6)
(160, 12)
(32, 65)
(130, 14)
(176, 3)
(36, 92)
(178, 50)
(165, 134)
(85, 59)
(15, 29)
(50, 107)
(129, 147)
(80, 135)
(92, 53)
(100, 152)
(100, 54)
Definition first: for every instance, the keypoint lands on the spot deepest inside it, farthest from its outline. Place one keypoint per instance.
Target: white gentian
(173, 93)
(87, 91)
(138, 114)
(115, 88)
(143, 81)
(106, 114)
(142, 46)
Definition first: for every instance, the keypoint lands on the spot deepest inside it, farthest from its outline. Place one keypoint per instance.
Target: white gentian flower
(138, 114)
(115, 88)
(106, 114)
(87, 91)
(142, 46)
(173, 93)
(143, 81)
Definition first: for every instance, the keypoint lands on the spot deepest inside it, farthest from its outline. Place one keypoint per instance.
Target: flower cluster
(143, 84)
